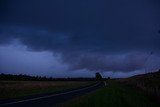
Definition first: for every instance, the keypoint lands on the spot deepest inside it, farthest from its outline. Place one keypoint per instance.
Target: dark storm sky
(79, 37)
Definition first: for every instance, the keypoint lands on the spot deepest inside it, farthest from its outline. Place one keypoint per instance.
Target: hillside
(150, 83)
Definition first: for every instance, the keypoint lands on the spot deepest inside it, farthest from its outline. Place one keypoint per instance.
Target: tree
(98, 76)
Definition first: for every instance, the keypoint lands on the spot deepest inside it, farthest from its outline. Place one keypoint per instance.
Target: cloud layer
(95, 35)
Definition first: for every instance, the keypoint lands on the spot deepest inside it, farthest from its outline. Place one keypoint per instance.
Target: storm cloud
(95, 35)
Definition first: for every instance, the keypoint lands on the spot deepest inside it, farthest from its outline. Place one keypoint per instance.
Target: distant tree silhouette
(108, 78)
(22, 77)
(98, 76)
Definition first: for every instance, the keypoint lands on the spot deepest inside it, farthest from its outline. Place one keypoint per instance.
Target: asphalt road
(51, 99)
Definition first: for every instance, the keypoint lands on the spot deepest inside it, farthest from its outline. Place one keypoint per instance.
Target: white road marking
(32, 99)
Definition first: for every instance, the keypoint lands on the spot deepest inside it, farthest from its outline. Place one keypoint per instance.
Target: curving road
(51, 99)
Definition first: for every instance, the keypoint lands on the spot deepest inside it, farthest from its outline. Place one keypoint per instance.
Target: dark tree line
(39, 78)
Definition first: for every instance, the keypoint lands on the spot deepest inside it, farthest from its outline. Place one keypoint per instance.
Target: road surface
(50, 99)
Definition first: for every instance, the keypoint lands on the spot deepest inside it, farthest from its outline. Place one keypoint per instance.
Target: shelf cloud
(84, 36)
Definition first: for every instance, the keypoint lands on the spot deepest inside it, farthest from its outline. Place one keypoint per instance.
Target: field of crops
(13, 89)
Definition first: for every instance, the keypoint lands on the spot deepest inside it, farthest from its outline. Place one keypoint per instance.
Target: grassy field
(14, 89)
(114, 95)
(149, 83)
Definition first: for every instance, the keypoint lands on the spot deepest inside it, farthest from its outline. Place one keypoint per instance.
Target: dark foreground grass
(14, 89)
(150, 83)
(114, 95)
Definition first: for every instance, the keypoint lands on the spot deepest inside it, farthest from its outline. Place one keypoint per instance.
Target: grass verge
(114, 95)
